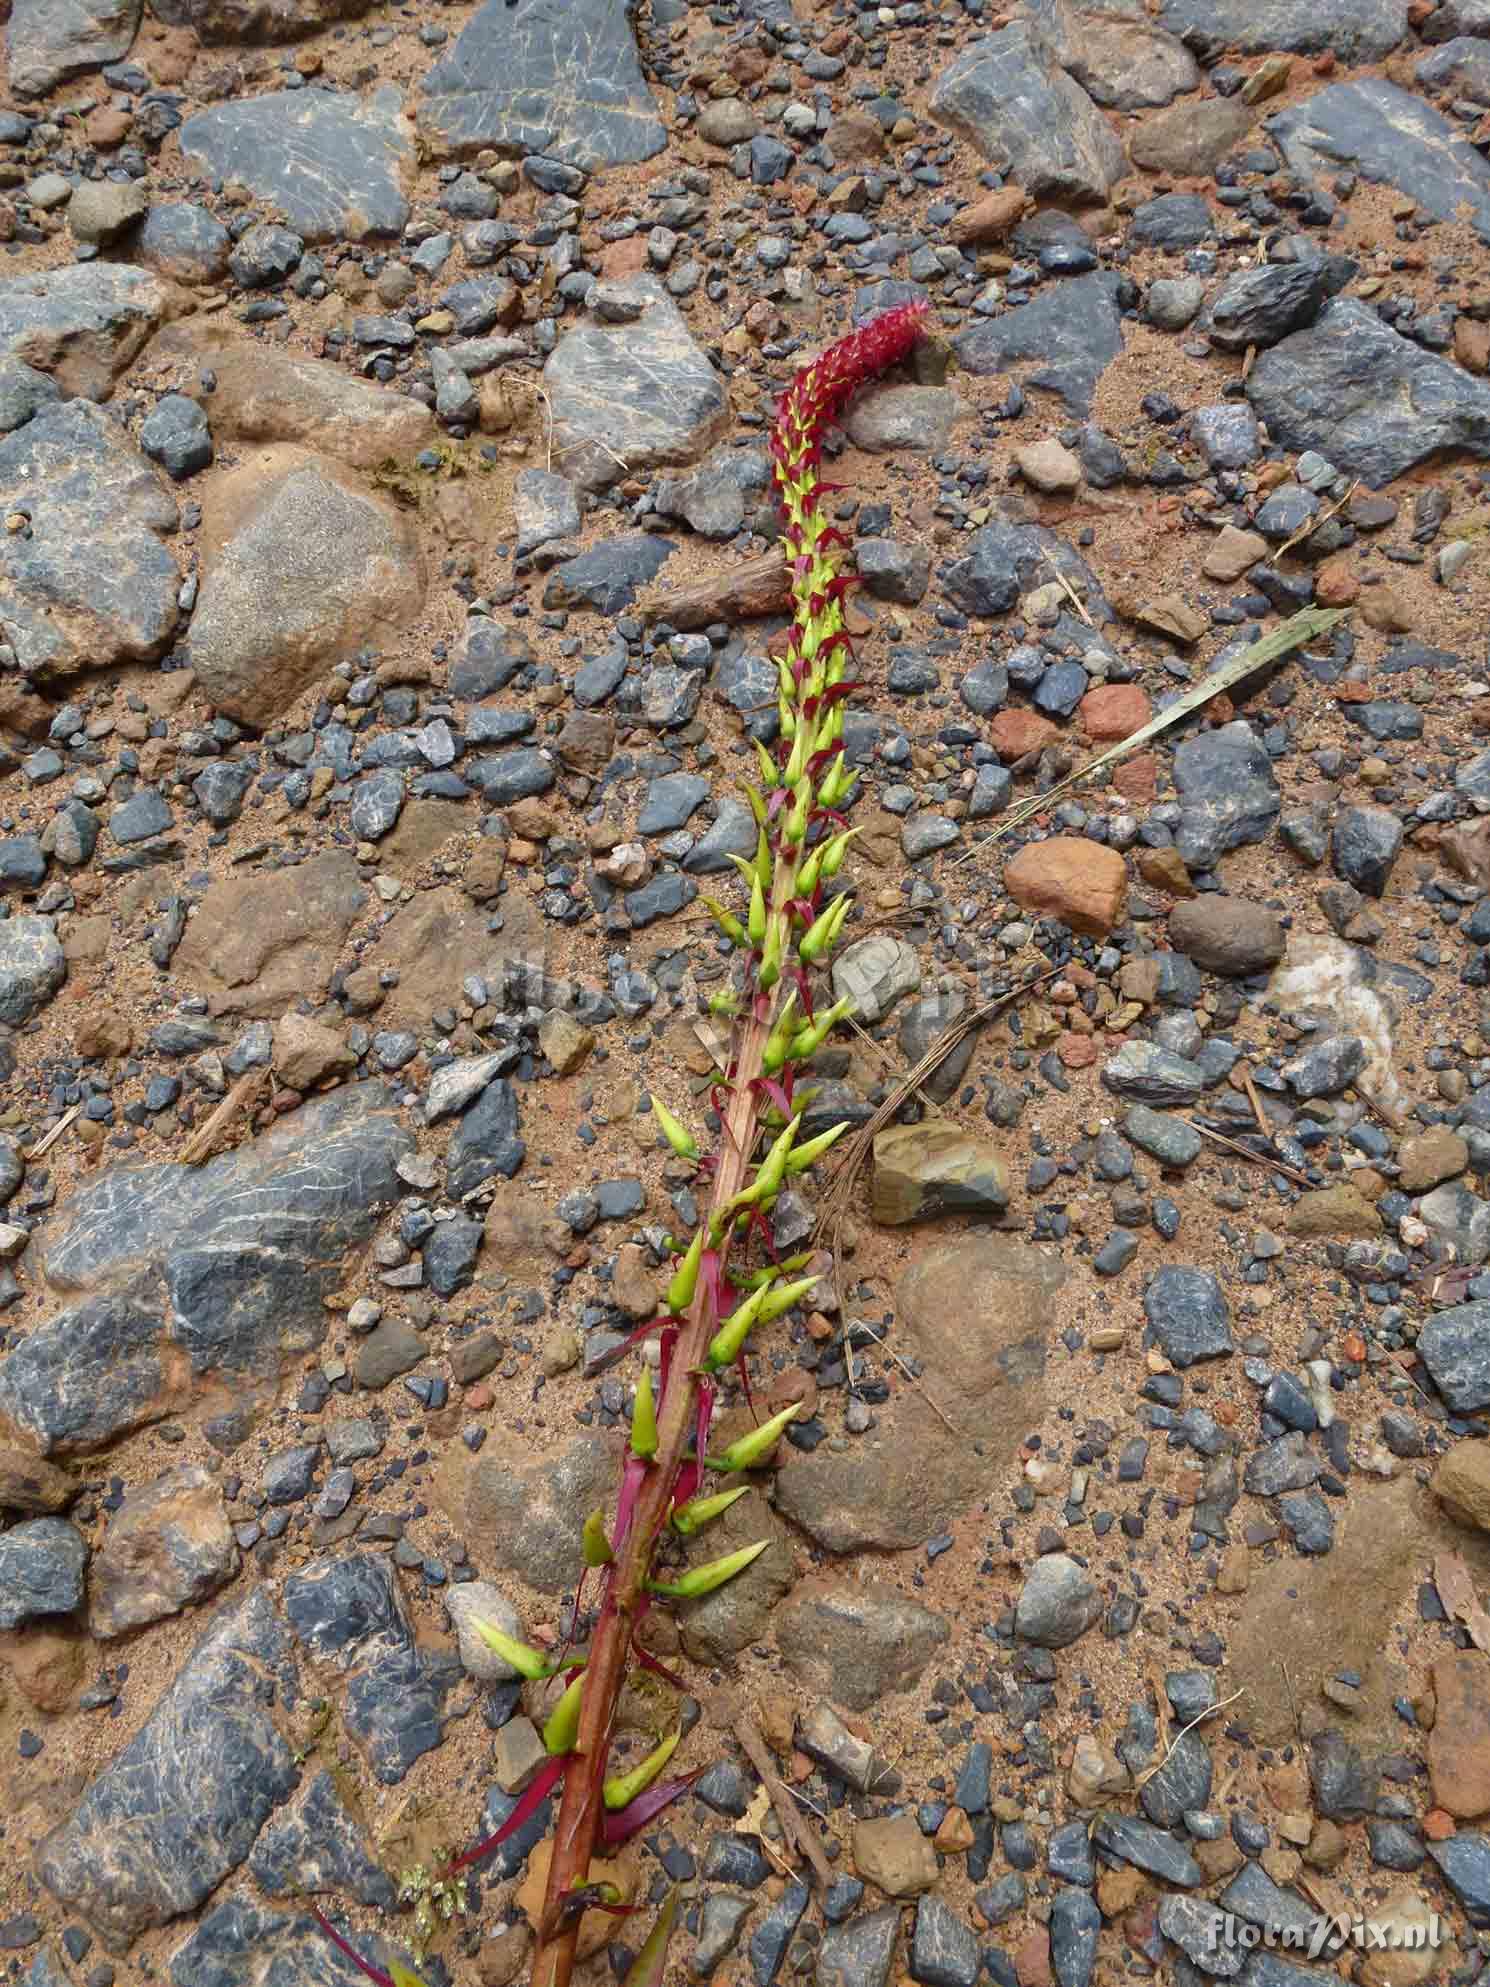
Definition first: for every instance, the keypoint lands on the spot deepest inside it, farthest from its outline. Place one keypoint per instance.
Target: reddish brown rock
(1082, 883)
(1114, 712)
(1014, 733)
(988, 219)
(1459, 1744)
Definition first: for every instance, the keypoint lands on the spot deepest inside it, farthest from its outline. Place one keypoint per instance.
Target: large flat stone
(332, 164)
(976, 1314)
(1061, 342)
(82, 323)
(90, 583)
(1010, 100)
(49, 40)
(1352, 30)
(527, 1518)
(256, 20)
(1376, 402)
(633, 396)
(242, 1943)
(1392, 138)
(195, 1283)
(854, 1643)
(304, 569)
(179, 1807)
(559, 77)
(260, 941)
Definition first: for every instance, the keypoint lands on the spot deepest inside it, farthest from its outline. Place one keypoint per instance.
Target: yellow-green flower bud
(594, 1543)
(754, 1447)
(729, 1341)
(644, 1419)
(561, 1728)
(624, 1787)
(704, 1579)
(756, 923)
(700, 1511)
(685, 1277)
(727, 922)
(812, 1149)
(520, 1656)
(678, 1136)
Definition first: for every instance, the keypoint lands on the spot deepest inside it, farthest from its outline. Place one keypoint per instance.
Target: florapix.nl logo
(1323, 1936)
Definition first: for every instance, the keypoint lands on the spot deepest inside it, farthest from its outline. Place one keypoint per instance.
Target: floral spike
(782, 930)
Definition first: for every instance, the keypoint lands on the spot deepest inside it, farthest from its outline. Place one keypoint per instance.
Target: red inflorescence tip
(819, 390)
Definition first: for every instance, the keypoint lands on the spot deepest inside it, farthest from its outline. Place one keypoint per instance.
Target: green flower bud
(678, 1136)
(772, 1169)
(812, 1149)
(756, 923)
(784, 1296)
(520, 1656)
(685, 1277)
(625, 1787)
(644, 1419)
(561, 1727)
(727, 922)
(700, 1511)
(729, 1341)
(753, 1448)
(594, 1543)
(704, 1579)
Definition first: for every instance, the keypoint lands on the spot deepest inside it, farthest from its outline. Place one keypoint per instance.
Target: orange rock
(1082, 883)
(1336, 584)
(1136, 778)
(624, 258)
(1114, 712)
(1438, 1826)
(1032, 1959)
(1076, 1051)
(478, 1397)
(1164, 869)
(1459, 1744)
(1013, 733)
(1472, 344)
(988, 219)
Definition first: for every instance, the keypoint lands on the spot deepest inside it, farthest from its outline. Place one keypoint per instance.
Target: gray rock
(1307, 1520)
(1190, 1924)
(1075, 1922)
(1173, 220)
(175, 434)
(1128, 64)
(1187, 1314)
(1285, 1463)
(242, 1943)
(886, 420)
(450, 1256)
(220, 789)
(1376, 403)
(41, 1570)
(1253, 1897)
(317, 1845)
(183, 241)
(944, 1948)
(609, 576)
(670, 801)
(1352, 30)
(332, 164)
(1226, 435)
(856, 1644)
(89, 583)
(642, 391)
(1132, 1840)
(733, 832)
(770, 1939)
(714, 499)
(893, 571)
(377, 802)
(719, 1927)
(1168, 1139)
(1181, 1785)
(545, 507)
(50, 40)
(1007, 97)
(1390, 137)
(1062, 341)
(528, 1520)
(310, 570)
(32, 967)
(1151, 1075)
(256, 20)
(169, 1546)
(82, 323)
(142, 816)
(479, 1600)
(509, 82)
(1005, 559)
(874, 973)
(1345, 1783)
(1228, 795)
(210, 1748)
(486, 1143)
(1461, 67)
(1365, 844)
(102, 209)
(1260, 306)
(1325, 1067)
(1172, 303)
(1057, 1604)
(861, 1951)
(24, 392)
(1465, 1862)
(227, 1264)
(1461, 1218)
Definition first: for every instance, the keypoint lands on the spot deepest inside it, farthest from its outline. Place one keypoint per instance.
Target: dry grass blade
(1199, 1719)
(1246, 1152)
(45, 1144)
(1295, 631)
(1072, 595)
(1310, 525)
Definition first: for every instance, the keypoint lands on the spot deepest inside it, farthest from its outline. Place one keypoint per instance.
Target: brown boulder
(260, 941)
(1067, 877)
(1461, 1483)
(1227, 935)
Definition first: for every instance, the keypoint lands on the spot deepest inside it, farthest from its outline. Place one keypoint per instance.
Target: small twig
(1075, 598)
(51, 1138)
(793, 1827)
(1246, 1152)
(863, 1325)
(1200, 1717)
(211, 1134)
(1308, 528)
(1256, 1102)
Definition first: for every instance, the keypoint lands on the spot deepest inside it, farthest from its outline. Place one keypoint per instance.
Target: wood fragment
(738, 593)
(45, 1144)
(215, 1131)
(796, 1831)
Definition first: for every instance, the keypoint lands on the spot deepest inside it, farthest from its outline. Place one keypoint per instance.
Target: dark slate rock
(1005, 559)
(1454, 1345)
(1390, 137)
(41, 1570)
(1069, 1852)
(1169, 1139)
(733, 831)
(493, 655)
(860, 1952)
(1253, 1897)
(509, 82)
(185, 242)
(377, 802)
(1393, 1846)
(175, 434)
(450, 1255)
(1228, 794)
(1138, 1842)
(670, 801)
(1151, 1075)
(1173, 220)
(220, 788)
(944, 1949)
(242, 1943)
(1285, 1463)
(1006, 95)
(608, 576)
(1190, 1924)
(1308, 1521)
(1345, 1784)
(985, 688)
(485, 1141)
(1187, 1315)
(52, 39)
(1461, 66)
(1377, 403)
(1465, 1862)
(511, 776)
(770, 1939)
(1006, 1895)
(1260, 306)
(23, 393)
(347, 1612)
(144, 815)
(1182, 1783)
(210, 1749)
(319, 1846)
(1325, 1067)
(331, 164)
(1351, 30)
(227, 1262)
(90, 584)
(721, 1918)
(23, 863)
(1068, 334)
(1075, 1922)
(1365, 844)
